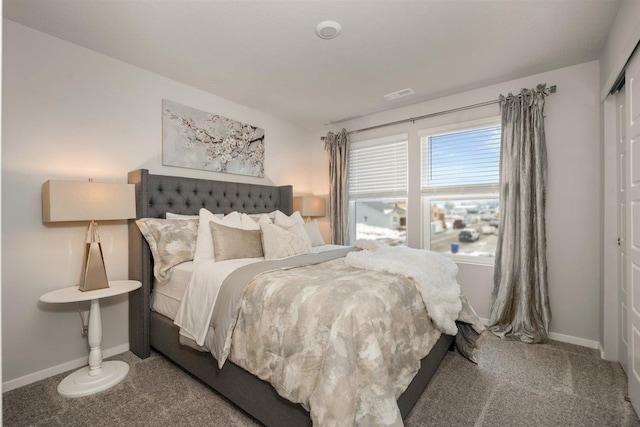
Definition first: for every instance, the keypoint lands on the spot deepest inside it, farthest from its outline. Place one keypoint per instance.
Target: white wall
(623, 38)
(70, 113)
(573, 195)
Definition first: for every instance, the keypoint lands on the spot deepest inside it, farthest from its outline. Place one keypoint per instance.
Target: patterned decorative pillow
(234, 243)
(172, 241)
(280, 242)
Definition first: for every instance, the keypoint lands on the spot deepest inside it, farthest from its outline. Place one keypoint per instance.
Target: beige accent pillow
(204, 244)
(234, 243)
(172, 241)
(280, 242)
(313, 231)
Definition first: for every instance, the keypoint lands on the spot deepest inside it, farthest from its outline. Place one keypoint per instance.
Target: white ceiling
(265, 54)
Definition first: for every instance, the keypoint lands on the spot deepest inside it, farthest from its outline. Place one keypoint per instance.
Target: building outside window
(378, 190)
(460, 194)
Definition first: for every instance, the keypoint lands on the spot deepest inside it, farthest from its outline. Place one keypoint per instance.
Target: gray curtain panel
(520, 306)
(338, 147)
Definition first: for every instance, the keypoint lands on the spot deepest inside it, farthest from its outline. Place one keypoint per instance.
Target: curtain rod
(553, 89)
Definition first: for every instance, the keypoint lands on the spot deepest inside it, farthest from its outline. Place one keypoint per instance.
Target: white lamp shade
(310, 205)
(86, 201)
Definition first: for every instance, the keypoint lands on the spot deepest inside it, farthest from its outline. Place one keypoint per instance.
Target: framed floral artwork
(199, 140)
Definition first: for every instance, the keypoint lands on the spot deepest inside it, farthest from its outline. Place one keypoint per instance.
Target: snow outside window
(378, 189)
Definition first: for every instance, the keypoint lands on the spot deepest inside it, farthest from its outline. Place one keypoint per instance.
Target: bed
(155, 196)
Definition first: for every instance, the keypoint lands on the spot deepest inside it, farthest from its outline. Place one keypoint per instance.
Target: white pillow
(257, 217)
(287, 221)
(262, 217)
(171, 215)
(249, 223)
(313, 231)
(204, 244)
(279, 242)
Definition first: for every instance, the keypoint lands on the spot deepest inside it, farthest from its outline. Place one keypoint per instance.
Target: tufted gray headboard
(158, 194)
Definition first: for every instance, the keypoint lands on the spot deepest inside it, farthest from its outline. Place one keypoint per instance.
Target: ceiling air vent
(398, 94)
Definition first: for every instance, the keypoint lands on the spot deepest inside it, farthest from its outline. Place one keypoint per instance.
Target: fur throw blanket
(434, 275)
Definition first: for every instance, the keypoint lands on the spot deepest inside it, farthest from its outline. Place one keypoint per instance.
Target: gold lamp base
(94, 274)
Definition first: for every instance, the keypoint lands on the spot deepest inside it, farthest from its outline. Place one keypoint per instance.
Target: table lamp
(310, 206)
(67, 201)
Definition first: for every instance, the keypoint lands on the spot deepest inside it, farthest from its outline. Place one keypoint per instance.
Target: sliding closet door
(632, 85)
(621, 151)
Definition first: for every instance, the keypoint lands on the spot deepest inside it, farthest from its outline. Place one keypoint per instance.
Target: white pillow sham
(204, 243)
(262, 217)
(313, 231)
(287, 221)
(249, 222)
(257, 217)
(171, 215)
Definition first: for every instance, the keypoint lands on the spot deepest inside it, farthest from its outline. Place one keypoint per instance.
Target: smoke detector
(398, 94)
(328, 30)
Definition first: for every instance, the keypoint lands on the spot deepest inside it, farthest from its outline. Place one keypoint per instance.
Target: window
(378, 189)
(460, 175)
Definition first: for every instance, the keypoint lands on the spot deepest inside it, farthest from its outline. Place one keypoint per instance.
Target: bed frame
(155, 196)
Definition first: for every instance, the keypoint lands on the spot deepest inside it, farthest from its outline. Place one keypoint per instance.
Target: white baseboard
(79, 363)
(574, 340)
(567, 338)
(58, 369)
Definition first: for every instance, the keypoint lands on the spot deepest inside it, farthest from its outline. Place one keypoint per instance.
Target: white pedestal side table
(98, 376)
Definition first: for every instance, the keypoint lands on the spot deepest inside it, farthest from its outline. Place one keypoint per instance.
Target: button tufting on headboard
(158, 194)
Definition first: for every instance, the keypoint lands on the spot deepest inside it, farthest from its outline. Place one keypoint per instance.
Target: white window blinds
(378, 168)
(469, 158)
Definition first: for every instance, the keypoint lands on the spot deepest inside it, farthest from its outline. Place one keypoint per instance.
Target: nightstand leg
(99, 375)
(95, 339)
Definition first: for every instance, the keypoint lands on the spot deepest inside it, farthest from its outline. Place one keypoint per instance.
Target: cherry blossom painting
(199, 140)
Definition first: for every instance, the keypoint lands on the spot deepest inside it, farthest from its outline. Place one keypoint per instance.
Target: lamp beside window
(69, 201)
(310, 206)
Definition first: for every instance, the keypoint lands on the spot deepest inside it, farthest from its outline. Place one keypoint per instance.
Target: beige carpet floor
(514, 384)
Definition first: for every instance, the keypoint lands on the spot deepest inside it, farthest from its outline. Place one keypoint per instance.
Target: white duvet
(196, 309)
